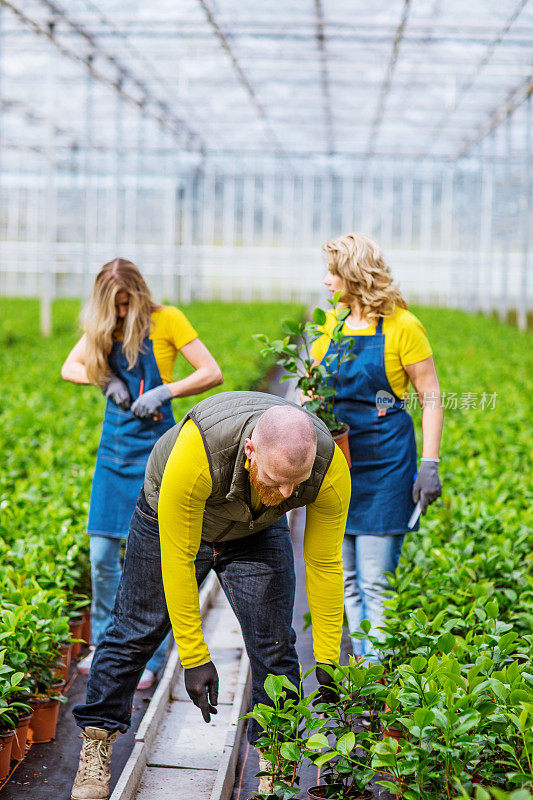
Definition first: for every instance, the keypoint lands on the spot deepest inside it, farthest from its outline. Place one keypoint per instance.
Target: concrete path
(177, 756)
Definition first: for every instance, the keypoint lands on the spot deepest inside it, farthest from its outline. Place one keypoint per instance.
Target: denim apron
(382, 449)
(125, 445)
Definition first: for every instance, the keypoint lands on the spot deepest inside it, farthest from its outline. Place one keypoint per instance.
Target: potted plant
(315, 381)
(451, 728)
(36, 627)
(286, 725)
(24, 718)
(348, 728)
(9, 707)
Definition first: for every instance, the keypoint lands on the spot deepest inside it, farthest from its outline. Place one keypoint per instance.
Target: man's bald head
(281, 452)
(286, 437)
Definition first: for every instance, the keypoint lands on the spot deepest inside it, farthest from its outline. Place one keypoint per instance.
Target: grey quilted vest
(225, 420)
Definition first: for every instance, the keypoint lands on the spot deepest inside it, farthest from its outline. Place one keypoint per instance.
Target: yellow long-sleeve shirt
(185, 487)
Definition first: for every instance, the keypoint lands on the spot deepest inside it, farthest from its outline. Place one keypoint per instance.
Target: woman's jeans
(365, 559)
(257, 576)
(105, 575)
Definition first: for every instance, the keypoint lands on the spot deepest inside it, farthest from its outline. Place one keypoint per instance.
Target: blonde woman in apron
(391, 349)
(128, 349)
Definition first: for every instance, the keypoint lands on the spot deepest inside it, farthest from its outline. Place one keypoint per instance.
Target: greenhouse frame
(220, 147)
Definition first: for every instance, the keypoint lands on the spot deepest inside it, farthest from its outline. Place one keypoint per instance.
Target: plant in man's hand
(316, 381)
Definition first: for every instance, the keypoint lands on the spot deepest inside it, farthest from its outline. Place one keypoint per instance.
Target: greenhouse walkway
(176, 755)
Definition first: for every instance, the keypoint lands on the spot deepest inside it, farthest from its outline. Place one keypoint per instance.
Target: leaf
(273, 687)
(505, 640)
(291, 326)
(388, 785)
(492, 609)
(322, 759)
(446, 642)
(418, 663)
(290, 751)
(317, 741)
(423, 717)
(518, 696)
(287, 684)
(346, 743)
(319, 316)
(343, 313)
(498, 688)
(421, 617)
(466, 722)
(365, 626)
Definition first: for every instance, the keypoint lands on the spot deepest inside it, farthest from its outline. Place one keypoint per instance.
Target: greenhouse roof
(299, 78)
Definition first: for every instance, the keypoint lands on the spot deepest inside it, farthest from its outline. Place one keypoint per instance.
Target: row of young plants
(448, 711)
(49, 431)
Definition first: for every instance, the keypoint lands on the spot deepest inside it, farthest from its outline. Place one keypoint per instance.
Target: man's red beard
(267, 494)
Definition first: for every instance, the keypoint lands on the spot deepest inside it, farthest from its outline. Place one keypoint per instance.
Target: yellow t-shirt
(406, 342)
(185, 487)
(169, 332)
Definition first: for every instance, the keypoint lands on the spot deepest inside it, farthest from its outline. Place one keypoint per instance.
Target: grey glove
(147, 404)
(427, 486)
(201, 684)
(117, 391)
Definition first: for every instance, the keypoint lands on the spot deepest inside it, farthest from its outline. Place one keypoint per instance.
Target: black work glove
(326, 686)
(427, 486)
(201, 684)
(150, 402)
(117, 391)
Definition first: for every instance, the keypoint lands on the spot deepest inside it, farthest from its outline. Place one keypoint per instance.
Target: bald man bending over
(216, 492)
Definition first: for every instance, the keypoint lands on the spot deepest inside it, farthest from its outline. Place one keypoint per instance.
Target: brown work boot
(92, 778)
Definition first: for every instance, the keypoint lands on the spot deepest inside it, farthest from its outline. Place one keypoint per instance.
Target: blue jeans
(257, 576)
(365, 559)
(105, 576)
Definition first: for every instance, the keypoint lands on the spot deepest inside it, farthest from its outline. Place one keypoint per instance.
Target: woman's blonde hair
(358, 261)
(100, 317)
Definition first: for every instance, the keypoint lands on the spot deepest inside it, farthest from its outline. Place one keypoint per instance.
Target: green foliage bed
(458, 635)
(457, 650)
(455, 689)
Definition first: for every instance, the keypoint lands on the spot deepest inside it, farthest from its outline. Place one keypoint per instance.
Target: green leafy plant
(293, 354)
(459, 724)
(349, 727)
(10, 685)
(286, 725)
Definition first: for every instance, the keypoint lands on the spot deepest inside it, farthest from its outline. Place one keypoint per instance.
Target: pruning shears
(157, 417)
